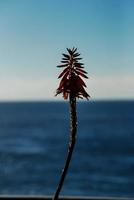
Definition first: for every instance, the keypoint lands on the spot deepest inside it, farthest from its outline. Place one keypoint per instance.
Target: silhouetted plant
(72, 87)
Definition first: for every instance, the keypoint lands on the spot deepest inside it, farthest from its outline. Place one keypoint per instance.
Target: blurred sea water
(33, 146)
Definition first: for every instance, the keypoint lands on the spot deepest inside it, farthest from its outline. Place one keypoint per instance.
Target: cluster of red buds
(72, 82)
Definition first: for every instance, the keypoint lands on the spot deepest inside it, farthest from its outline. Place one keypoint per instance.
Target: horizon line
(62, 100)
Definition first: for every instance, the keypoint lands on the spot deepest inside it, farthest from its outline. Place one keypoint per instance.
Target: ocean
(34, 141)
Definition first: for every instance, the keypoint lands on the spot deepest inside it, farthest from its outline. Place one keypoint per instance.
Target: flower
(71, 77)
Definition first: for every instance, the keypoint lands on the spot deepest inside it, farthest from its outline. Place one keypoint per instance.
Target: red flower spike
(71, 81)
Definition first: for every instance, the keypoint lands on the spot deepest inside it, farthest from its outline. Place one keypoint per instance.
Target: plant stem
(73, 131)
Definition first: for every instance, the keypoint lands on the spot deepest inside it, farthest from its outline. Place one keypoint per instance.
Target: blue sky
(34, 34)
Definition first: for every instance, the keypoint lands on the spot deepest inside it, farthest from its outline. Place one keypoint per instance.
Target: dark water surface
(33, 146)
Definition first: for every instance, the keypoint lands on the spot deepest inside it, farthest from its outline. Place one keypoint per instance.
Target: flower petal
(64, 71)
(65, 65)
(80, 70)
(81, 74)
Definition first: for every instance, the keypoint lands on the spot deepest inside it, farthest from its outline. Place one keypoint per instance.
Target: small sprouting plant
(71, 86)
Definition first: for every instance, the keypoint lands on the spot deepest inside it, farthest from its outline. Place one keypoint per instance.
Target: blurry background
(33, 148)
(33, 35)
